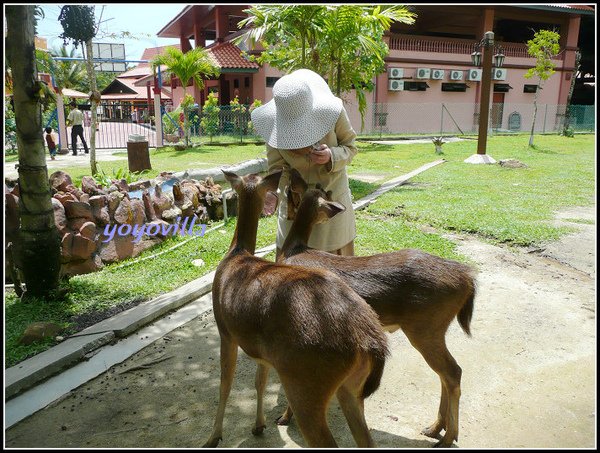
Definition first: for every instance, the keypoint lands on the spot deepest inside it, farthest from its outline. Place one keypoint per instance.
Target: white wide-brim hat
(303, 110)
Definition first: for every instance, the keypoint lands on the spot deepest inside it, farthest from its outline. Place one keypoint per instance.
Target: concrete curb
(56, 359)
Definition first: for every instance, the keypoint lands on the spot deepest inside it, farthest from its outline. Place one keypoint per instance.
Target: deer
(307, 324)
(409, 289)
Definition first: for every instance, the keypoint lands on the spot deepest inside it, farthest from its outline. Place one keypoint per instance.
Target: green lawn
(514, 206)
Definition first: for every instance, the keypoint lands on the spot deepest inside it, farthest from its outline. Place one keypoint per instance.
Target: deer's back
(300, 310)
(399, 282)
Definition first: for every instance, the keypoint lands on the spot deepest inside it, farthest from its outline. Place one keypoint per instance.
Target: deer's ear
(297, 182)
(271, 181)
(332, 208)
(234, 180)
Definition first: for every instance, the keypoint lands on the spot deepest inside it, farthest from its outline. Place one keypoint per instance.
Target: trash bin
(138, 154)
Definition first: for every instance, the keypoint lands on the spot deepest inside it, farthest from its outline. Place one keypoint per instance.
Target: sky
(141, 20)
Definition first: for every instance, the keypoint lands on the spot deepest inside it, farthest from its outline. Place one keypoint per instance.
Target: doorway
(497, 110)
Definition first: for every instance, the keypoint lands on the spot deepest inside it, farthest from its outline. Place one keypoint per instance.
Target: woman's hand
(320, 155)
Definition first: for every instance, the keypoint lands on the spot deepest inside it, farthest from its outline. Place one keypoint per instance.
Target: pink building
(430, 83)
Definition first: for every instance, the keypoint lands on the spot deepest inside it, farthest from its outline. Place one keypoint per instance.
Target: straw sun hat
(303, 110)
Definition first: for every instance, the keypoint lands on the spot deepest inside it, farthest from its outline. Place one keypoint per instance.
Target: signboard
(107, 52)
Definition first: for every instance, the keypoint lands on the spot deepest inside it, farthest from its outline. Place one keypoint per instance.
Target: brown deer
(409, 289)
(319, 335)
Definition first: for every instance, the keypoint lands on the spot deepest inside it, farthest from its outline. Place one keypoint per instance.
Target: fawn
(409, 289)
(318, 334)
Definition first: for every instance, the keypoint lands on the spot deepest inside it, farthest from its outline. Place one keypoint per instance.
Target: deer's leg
(229, 351)
(260, 382)
(434, 351)
(352, 405)
(285, 418)
(310, 400)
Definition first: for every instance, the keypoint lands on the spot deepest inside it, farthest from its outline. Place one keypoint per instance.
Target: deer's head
(316, 204)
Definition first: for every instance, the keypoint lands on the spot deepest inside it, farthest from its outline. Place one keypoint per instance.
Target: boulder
(100, 212)
(114, 199)
(89, 186)
(60, 218)
(88, 230)
(39, 331)
(148, 208)
(64, 197)
(124, 212)
(81, 267)
(66, 246)
(170, 215)
(60, 180)
(140, 185)
(119, 248)
(139, 213)
(82, 248)
(75, 209)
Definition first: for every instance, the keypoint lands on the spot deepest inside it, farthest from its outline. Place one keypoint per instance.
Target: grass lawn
(513, 206)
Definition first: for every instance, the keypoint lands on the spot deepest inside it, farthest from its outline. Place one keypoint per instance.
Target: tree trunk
(89, 66)
(567, 122)
(534, 114)
(38, 244)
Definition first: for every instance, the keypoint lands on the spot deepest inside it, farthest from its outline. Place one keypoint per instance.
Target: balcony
(454, 46)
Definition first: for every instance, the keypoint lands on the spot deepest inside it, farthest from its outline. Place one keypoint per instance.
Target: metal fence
(463, 118)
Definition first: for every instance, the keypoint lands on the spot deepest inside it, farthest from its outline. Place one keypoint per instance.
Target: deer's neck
(297, 238)
(246, 228)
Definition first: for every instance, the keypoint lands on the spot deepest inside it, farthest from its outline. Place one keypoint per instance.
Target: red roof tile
(227, 55)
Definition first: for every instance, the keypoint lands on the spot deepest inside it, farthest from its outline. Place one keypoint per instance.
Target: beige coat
(341, 229)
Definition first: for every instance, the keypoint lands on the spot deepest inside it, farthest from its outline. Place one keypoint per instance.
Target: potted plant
(438, 142)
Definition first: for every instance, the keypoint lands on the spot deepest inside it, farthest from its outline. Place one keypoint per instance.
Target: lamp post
(488, 47)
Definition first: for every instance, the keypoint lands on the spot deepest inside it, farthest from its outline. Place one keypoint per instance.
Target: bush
(210, 116)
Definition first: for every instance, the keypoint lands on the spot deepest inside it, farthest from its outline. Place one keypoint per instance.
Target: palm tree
(67, 74)
(38, 245)
(193, 65)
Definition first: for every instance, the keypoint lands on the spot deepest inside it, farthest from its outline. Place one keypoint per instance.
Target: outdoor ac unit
(396, 85)
(437, 74)
(499, 74)
(456, 75)
(423, 73)
(474, 75)
(395, 73)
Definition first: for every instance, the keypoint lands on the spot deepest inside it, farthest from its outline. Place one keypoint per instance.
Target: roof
(569, 9)
(228, 56)
(74, 93)
(127, 89)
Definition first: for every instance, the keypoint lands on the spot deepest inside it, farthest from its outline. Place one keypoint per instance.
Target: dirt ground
(529, 372)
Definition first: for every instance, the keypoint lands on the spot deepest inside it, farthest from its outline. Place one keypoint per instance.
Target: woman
(307, 128)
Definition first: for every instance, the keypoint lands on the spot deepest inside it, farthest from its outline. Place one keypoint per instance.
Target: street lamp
(488, 47)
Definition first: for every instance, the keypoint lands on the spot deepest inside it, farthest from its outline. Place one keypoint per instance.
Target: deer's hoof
(282, 421)
(258, 430)
(212, 442)
(431, 431)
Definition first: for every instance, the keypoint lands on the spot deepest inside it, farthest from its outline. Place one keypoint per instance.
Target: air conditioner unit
(395, 73)
(499, 74)
(423, 73)
(395, 85)
(474, 75)
(437, 74)
(456, 74)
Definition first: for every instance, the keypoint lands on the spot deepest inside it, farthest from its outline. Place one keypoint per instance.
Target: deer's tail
(372, 383)
(466, 312)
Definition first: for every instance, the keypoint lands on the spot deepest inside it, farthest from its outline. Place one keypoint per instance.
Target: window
(530, 88)
(236, 83)
(460, 87)
(246, 82)
(502, 87)
(415, 86)
(271, 81)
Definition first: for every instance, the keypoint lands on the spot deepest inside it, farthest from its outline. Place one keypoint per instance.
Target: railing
(453, 46)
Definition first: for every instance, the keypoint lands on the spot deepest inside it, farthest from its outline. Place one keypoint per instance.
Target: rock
(89, 186)
(114, 199)
(92, 264)
(100, 212)
(76, 223)
(512, 163)
(60, 218)
(82, 248)
(162, 226)
(160, 202)
(232, 204)
(60, 180)
(88, 230)
(77, 193)
(119, 248)
(11, 214)
(198, 262)
(148, 208)
(84, 198)
(140, 185)
(66, 246)
(124, 212)
(74, 209)
(170, 215)
(122, 185)
(64, 197)
(15, 191)
(139, 213)
(39, 331)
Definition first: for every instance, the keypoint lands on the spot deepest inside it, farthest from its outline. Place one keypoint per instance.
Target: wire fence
(463, 118)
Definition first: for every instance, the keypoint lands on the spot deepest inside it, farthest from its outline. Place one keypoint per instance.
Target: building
(430, 77)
